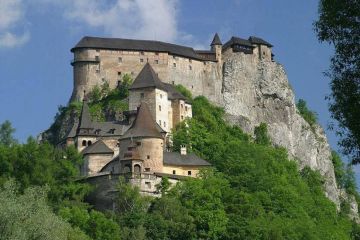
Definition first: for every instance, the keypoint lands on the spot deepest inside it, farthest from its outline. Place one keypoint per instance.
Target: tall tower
(216, 46)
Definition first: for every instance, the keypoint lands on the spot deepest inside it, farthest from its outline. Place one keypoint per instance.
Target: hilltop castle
(139, 145)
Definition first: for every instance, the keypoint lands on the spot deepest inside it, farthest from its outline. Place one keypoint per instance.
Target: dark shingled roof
(98, 147)
(144, 125)
(216, 40)
(147, 78)
(175, 158)
(256, 40)
(85, 117)
(135, 45)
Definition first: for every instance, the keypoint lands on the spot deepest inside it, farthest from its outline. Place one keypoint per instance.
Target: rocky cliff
(258, 91)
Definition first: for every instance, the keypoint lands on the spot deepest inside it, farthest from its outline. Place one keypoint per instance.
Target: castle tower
(148, 88)
(216, 46)
(147, 136)
(85, 135)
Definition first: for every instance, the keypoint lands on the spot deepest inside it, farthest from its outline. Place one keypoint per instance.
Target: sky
(36, 37)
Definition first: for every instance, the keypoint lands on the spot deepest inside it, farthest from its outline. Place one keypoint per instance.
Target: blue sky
(36, 37)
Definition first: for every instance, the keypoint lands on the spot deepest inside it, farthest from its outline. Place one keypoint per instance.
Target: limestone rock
(258, 91)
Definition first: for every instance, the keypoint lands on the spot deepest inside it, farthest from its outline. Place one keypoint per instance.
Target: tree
(6, 134)
(339, 25)
(261, 135)
(309, 116)
(27, 216)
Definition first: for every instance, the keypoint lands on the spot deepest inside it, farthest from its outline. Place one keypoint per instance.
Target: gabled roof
(256, 40)
(147, 78)
(135, 45)
(216, 40)
(98, 147)
(85, 117)
(144, 125)
(175, 158)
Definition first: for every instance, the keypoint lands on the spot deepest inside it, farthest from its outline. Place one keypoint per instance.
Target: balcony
(85, 60)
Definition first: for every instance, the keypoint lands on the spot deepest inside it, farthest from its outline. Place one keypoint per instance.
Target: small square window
(156, 61)
(97, 70)
(148, 185)
(174, 64)
(186, 108)
(142, 95)
(192, 86)
(173, 83)
(97, 50)
(181, 105)
(97, 58)
(182, 117)
(190, 67)
(189, 173)
(190, 61)
(174, 171)
(142, 53)
(132, 73)
(174, 57)
(156, 53)
(119, 73)
(147, 169)
(141, 60)
(148, 156)
(120, 59)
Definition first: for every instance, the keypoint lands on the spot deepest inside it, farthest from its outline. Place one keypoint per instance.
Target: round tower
(149, 140)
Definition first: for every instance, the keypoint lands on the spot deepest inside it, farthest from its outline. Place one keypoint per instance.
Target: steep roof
(85, 117)
(136, 45)
(144, 125)
(99, 147)
(175, 158)
(216, 40)
(147, 78)
(257, 40)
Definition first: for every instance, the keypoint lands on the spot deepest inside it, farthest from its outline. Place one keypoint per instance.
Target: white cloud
(11, 17)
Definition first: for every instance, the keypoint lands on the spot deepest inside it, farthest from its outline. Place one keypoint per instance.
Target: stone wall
(93, 163)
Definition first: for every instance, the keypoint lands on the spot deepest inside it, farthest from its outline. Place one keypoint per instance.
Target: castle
(138, 147)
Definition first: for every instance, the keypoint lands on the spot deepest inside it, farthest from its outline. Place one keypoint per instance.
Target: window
(147, 169)
(189, 173)
(181, 105)
(160, 108)
(132, 73)
(97, 70)
(182, 117)
(190, 67)
(148, 185)
(138, 143)
(137, 168)
(160, 122)
(174, 171)
(173, 83)
(97, 58)
(156, 61)
(112, 131)
(142, 95)
(263, 53)
(89, 143)
(174, 64)
(120, 59)
(157, 54)
(186, 108)
(141, 53)
(160, 95)
(141, 60)
(192, 86)
(84, 143)
(190, 61)
(97, 50)
(148, 156)
(164, 124)
(119, 75)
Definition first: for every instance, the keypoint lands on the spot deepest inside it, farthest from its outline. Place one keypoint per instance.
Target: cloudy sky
(36, 37)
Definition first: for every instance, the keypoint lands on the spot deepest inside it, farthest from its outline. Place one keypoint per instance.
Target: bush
(308, 115)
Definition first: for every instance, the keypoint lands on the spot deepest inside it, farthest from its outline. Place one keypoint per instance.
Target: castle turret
(216, 46)
(85, 135)
(148, 88)
(149, 140)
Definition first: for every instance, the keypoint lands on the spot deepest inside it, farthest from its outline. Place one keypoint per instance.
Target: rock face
(258, 91)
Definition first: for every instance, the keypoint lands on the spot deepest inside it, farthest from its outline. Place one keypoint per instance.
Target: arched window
(89, 143)
(137, 168)
(84, 143)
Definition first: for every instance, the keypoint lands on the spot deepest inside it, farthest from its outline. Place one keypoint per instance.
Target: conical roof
(147, 78)
(85, 117)
(216, 40)
(144, 125)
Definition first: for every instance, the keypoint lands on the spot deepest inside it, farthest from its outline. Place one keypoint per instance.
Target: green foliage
(261, 134)
(6, 134)
(309, 116)
(163, 186)
(184, 91)
(27, 216)
(338, 24)
(267, 197)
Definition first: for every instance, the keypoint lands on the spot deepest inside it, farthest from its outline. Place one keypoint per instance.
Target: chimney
(183, 150)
